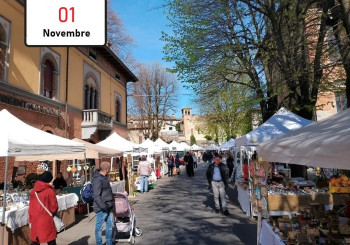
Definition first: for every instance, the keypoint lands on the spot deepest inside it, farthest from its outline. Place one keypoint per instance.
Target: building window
(341, 101)
(92, 88)
(118, 107)
(49, 80)
(170, 128)
(4, 47)
(91, 98)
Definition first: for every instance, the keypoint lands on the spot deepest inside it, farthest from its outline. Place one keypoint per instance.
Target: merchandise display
(314, 225)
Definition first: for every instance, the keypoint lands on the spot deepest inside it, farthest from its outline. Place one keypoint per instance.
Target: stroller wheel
(138, 231)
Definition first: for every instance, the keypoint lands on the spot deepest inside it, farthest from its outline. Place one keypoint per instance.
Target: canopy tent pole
(4, 202)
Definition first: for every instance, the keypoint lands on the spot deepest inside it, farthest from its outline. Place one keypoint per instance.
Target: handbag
(57, 220)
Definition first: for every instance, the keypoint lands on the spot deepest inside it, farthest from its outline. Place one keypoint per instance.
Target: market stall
(20, 139)
(317, 218)
(17, 219)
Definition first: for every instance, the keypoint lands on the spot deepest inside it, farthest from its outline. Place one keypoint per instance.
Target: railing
(96, 118)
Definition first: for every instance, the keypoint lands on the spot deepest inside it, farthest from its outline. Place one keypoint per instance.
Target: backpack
(86, 193)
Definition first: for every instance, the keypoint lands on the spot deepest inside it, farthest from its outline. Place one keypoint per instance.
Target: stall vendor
(59, 183)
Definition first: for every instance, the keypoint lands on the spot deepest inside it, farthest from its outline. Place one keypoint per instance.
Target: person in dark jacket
(59, 183)
(43, 229)
(177, 163)
(103, 203)
(217, 175)
(188, 159)
(170, 160)
(230, 165)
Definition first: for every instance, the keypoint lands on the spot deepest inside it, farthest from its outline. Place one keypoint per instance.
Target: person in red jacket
(43, 229)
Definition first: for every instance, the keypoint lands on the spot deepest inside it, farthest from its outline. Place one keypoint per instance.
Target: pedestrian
(189, 164)
(59, 183)
(230, 165)
(171, 165)
(217, 175)
(144, 170)
(177, 163)
(103, 203)
(194, 160)
(42, 227)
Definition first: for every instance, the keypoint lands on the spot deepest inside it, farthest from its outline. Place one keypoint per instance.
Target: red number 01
(63, 14)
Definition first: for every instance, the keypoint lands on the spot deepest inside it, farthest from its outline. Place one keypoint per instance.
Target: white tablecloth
(16, 218)
(118, 186)
(244, 200)
(267, 236)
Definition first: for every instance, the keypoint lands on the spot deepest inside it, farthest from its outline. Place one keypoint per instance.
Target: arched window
(49, 75)
(3, 50)
(117, 110)
(48, 79)
(90, 96)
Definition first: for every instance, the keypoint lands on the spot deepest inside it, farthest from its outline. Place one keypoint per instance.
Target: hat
(46, 177)
(42, 167)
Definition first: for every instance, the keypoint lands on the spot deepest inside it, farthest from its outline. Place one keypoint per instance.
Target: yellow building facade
(73, 92)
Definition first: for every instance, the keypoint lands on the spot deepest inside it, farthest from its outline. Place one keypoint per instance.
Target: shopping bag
(174, 171)
(58, 223)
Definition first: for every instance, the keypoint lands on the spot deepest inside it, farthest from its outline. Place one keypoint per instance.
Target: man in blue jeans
(144, 170)
(103, 203)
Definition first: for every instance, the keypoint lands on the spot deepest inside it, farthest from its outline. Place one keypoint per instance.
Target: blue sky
(144, 21)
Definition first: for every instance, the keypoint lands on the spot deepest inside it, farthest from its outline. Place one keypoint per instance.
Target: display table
(17, 220)
(268, 236)
(282, 204)
(244, 200)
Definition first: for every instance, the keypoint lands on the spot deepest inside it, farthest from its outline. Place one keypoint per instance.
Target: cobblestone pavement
(180, 210)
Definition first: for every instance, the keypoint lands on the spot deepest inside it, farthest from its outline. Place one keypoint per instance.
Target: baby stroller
(124, 219)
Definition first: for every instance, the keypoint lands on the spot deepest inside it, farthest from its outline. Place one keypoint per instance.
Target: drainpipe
(66, 104)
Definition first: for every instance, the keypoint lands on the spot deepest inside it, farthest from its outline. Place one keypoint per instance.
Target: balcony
(94, 120)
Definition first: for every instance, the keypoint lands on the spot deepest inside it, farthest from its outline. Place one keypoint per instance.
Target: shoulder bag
(57, 220)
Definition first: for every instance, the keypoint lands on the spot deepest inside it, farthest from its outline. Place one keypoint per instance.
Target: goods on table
(339, 184)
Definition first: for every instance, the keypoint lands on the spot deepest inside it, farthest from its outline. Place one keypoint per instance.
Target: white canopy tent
(195, 147)
(213, 148)
(227, 145)
(161, 145)
(325, 143)
(280, 123)
(116, 142)
(174, 146)
(185, 146)
(20, 139)
(92, 151)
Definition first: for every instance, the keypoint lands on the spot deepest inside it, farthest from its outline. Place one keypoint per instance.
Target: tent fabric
(213, 148)
(185, 146)
(20, 139)
(116, 142)
(227, 145)
(195, 147)
(91, 151)
(280, 123)
(161, 145)
(174, 146)
(323, 144)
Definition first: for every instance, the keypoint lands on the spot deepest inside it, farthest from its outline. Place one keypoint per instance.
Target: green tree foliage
(192, 140)
(178, 127)
(278, 47)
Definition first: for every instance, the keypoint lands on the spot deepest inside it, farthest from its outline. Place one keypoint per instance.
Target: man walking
(217, 175)
(189, 164)
(103, 203)
(144, 170)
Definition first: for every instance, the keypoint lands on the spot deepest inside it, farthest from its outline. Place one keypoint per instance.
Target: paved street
(180, 210)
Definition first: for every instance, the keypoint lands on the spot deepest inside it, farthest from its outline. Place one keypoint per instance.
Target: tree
(152, 97)
(278, 45)
(192, 140)
(117, 37)
(226, 113)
